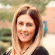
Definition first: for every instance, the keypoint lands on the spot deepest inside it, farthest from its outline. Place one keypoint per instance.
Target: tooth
(24, 35)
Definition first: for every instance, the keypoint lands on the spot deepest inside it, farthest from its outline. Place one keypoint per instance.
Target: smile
(24, 34)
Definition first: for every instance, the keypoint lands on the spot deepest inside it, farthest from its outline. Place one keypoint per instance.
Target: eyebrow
(27, 22)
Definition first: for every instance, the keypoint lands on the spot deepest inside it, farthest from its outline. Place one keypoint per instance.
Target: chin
(24, 40)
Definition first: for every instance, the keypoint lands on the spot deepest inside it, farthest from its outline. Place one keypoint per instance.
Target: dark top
(37, 51)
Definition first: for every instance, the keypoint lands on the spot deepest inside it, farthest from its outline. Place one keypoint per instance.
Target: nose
(24, 28)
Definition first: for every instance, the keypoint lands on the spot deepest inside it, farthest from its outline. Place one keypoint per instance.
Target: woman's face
(25, 28)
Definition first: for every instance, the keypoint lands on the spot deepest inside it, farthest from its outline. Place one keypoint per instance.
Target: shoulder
(40, 51)
(8, 52)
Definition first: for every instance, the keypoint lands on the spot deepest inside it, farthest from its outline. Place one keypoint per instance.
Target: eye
(20, 23)
(29, 24)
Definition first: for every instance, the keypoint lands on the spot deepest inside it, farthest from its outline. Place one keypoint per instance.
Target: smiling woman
(27, 31)
(25, 28)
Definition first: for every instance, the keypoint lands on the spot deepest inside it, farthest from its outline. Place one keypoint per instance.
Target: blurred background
(47, 12)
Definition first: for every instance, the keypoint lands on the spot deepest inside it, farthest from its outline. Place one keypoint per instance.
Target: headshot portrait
(27, 32)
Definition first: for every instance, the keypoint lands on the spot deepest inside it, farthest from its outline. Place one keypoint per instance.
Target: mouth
(24, 34)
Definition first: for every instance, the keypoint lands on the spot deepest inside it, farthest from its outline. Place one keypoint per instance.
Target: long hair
(34, 13)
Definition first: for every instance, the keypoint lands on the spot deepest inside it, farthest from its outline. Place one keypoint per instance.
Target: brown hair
(34, 13)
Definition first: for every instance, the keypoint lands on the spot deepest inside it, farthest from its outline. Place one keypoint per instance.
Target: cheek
(18, 31)
(31, 31)
(18, 28)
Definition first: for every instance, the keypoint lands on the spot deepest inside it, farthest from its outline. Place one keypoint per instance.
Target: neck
(24, 45)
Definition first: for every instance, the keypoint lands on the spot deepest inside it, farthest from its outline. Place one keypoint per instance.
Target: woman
(27, 31)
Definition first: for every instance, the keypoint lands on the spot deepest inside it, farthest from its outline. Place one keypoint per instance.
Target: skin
(25, 30)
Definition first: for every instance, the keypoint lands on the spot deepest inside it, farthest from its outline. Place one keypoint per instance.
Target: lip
(24, 35)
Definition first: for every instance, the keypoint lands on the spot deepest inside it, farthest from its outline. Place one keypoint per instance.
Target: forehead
(25, 18)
